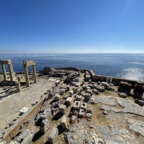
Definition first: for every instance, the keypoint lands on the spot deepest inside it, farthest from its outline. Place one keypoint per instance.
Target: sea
(128, 66)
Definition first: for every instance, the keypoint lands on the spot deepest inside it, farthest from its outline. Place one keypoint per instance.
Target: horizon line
(78, 53)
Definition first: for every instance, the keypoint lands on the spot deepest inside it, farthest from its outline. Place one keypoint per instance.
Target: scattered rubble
(78, 110)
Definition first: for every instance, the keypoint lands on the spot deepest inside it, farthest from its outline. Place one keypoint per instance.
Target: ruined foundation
(71, 105)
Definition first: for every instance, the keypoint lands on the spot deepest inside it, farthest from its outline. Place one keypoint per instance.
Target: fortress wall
(96, 77)
(68, 68)
(114, 79)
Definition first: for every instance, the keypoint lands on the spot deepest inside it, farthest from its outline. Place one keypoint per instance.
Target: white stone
(24, 110)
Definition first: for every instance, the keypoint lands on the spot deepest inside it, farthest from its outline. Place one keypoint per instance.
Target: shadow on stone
(60, 129)
(37, 136)
(57, 116)
(47, 142)
(38, 122)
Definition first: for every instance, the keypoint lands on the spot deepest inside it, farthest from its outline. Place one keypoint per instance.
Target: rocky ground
(106, 118)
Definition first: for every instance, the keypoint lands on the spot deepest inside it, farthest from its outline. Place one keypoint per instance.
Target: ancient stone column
(18, 86)
(4, 71)
(26, 76)
(34, 73)
(10, 71)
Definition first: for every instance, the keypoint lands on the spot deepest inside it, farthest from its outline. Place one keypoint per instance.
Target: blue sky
(71, 26)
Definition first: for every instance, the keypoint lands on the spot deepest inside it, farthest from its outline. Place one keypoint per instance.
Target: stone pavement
(10, 107)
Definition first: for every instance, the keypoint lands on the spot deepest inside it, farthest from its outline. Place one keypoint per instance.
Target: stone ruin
(26, 64)
(10, 67)
(13, 79)
(72, 103)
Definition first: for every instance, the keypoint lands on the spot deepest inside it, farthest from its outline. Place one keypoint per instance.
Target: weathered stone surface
(100, 88)
(53, 135)
(75, 89)
(48, 70)
(71, 93)
(124, 87)
(105, 112)
(28, 138)
(73, 119)
(140, 102)
(62, 108)
(22, 135)
(76, 105)
(95, 91)
(62, 91)
(46, 114)
(108, 100)
(81, 113)
(114, 135)
(3, 142)
(25, 137)
(1, 134)
(70, 77)
(44, 126)
(89, 110)
(136, 125)
(105, 84)
(69, 100)
(98, 141)
(122, 94)
(83, 105)
(88, 115)
(57, 97)
(127, 106)
(80, 134)
(78, 97)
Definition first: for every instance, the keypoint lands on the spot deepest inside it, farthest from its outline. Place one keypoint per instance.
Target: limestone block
(25, 137)
(53, 135)
(78, 97)
(46, 114)
(83, 106)
(81, 113)
(105, 84)
(62, 91)
(57, 82)
(79, 92)
(22, 135)
(77, 84)
(89, 110)
(88, 115)
(89, 91)
(28, 138)
(24, 110)
(69, 100)
(98, 141)
(57, 97)
(62, 108)
(87, 77)
(87, 95)
(76, 105)
(71, 93)
(73, 119)
(44, 126)
(75, 90)
(84, 87)
(64, 122)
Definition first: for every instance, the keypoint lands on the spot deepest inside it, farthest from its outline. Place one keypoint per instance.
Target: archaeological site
(68, 106)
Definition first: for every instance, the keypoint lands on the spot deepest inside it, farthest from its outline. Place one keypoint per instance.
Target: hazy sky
(75, 26)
